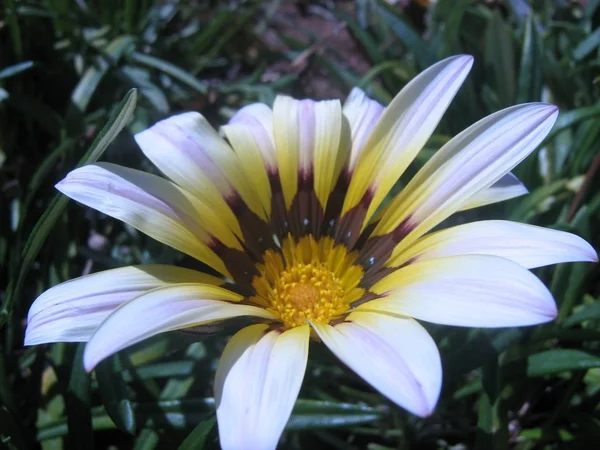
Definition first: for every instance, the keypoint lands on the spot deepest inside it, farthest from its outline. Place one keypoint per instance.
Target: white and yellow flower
(289, 208)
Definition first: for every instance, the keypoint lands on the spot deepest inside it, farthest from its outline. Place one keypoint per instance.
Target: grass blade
(170, 69)
(529, 87)
(114, 394)
(197, 438)
(42, 229)
(82, 94)
(79, 413)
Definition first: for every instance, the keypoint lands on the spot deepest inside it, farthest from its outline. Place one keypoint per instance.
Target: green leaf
(492, 421)
(412, 41)
(10, 431)
(82, 94)
(35, 110)
(114, 394)
(560, 360)
(520, 9)
(79, 414)
(44, 225)
(208, 34)
(530, 72)
(14, 28)
(316, 414)
(15, 69)
(572, 117)
(587, 46)
(448, 16)
(197, 438)
(362, 36)
(586, 312)
(170, 69)
(592, 6)
(500, 58)
(478, 350)
(6, 393)
(573, 291)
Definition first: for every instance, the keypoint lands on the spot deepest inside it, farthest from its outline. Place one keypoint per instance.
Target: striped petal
(506, 188)
(164, 309)
(471, 291)
(402, 130)
(393, 354)
(72, 311)
(154, 206)
(257, 118)
(191, 153)
(250, 133)
(472, 161)
(362, 114)
(527, 245)
(308, 136)
(257, 383)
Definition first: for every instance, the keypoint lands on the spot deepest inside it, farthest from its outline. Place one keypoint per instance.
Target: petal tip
(465, 62)
(546, 310)
(424, 408)
(469, 59)
(550, 109)
(89, 362)
(582, 250)
(588, 253)
(27, 340)
(550, 314)
(61, 184)
(428, 411)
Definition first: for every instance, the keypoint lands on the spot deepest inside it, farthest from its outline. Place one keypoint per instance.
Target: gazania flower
(291, 207)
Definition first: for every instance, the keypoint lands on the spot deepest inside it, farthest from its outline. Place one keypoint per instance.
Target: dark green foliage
(67, 68)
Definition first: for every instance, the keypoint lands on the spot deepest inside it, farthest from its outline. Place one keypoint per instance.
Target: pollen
(308, 281)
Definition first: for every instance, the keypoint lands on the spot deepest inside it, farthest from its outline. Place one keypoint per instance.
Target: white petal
(470, 162)
(72, 311)
(188, 150)
(250, 133)
(395, 355)
(362, 114)
(403, 130)
(506, 188)
(153, 205)
(472, 291)
(164, 309)
(527, 245)
(249, 152)
(258, 119)
(308, 135)
(257, 383)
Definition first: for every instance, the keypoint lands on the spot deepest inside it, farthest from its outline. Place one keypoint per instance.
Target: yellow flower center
(308, 281)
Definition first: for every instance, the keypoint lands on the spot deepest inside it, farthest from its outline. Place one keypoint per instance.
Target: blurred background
(67, 67)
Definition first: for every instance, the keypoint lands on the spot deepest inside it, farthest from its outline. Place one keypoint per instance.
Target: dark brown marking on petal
(365, 235)
(240, 264)
(378, 249)
(374, 276)
(366, 297)
(335, 203)
(258, 236)
(279, 220)
(350, 224)
(306, 213)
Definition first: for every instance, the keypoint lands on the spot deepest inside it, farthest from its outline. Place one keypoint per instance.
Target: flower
(290, 208)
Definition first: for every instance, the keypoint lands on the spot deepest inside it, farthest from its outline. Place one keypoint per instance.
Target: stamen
(311, 281)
